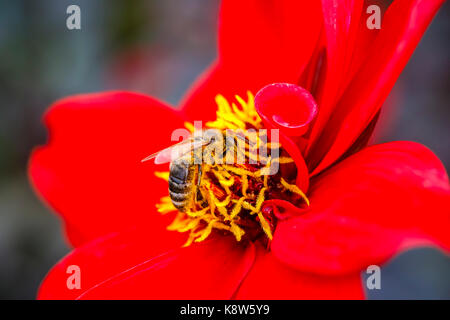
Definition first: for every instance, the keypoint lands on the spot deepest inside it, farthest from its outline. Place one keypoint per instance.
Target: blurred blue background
(159, 47)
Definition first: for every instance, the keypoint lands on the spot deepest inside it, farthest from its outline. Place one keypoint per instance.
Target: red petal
(90, 171)
(341, 21)
(362, 38)
(209, 270)
(381, 200)
(199, 103)
(287, 107)
(270, 279)
(260, 42)
(105, 257)
(402, 27)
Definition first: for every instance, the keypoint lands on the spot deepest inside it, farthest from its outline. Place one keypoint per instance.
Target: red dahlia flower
(361, 205)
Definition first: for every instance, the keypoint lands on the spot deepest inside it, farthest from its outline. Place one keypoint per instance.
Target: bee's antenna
(243, 138)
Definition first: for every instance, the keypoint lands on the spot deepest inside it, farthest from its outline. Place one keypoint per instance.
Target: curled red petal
(90, 171)
(365, 209)
(287, 107)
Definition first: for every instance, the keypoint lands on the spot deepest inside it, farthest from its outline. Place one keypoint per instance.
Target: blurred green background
(159, 47)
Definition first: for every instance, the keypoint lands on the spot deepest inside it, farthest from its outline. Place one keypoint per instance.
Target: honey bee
(186, 159)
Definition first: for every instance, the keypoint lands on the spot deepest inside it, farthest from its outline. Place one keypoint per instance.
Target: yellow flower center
(229, 198)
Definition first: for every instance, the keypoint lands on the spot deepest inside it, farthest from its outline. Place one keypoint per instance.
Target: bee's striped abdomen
(181, 183)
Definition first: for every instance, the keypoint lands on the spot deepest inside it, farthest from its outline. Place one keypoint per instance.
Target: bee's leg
(225, 153)
(225, 150)
(199, 179)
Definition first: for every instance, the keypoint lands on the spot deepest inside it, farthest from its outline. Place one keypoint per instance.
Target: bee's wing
(176, 151)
